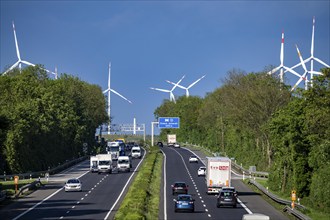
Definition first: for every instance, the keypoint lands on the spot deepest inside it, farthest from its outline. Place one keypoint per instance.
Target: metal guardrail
(3, 195)
(43, 173)
(27, 187)
(294, 212)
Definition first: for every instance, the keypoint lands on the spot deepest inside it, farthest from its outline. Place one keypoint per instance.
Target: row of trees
(257, 120)
(44, 122)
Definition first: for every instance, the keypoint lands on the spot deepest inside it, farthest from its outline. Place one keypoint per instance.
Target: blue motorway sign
(168, 122)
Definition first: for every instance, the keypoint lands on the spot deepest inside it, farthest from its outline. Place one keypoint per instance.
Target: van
(124, 164)
(136, 152)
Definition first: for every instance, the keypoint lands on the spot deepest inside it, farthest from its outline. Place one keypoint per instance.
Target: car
(193, 159)
(226, 198)
(73, 185)
(184, 202)
(160, 144)
(201, 171)
(177, 145)
(230, 188)
(179, 188)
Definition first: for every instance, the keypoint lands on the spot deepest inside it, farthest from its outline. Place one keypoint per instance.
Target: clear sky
(149, 42)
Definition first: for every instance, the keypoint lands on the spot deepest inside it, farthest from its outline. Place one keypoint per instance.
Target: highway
(100, 197)
(178, 168)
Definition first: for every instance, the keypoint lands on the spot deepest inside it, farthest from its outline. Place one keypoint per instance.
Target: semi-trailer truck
(218, 173)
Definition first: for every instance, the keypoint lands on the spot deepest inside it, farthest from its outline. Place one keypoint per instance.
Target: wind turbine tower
(109, 90)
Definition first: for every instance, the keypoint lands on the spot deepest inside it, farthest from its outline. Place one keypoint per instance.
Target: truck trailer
(218, 174)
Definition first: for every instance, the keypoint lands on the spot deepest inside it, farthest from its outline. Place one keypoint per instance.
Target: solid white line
(244, 206)
(165, 200)
(39, 203)
(121, 193)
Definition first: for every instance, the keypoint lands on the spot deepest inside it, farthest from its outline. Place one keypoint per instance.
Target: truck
(93, 163)
(113, 148)
(218, 174)
(171, 139)
(104, 163)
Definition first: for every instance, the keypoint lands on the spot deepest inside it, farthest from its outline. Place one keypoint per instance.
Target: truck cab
(136, 152)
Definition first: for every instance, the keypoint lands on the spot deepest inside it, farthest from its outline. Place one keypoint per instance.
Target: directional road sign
(168, 122)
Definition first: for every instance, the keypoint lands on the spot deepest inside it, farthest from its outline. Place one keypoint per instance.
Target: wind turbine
(312, 58)
(109, 90)
(281, 67)
(20, 61)
(303, 77)
(172, 98)
(186, 88)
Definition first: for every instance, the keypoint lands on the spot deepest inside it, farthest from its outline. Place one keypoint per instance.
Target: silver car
(73, 185)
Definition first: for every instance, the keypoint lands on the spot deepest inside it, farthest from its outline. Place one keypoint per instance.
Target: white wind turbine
(304, 76)
(281, 67)
(312, 58)
(20, 61)
(186, 88)
(109, 90)
(172, 98)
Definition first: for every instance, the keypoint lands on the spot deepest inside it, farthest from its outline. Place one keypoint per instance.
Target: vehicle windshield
(180, 185)
(73, 181)
(104, 162)
(227, 194)
(135, 151)
(184, 198)
(123, 161)
(114, 149)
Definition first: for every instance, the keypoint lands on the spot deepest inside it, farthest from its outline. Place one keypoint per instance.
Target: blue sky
(149, 42)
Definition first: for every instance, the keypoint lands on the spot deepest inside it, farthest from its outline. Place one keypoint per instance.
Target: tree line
(257, 120)
(44, 122)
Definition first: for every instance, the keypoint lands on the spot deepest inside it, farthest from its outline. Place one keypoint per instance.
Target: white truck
(93, 163)
(218, 173)
(171, 139)
(113, 148)
(104, 163)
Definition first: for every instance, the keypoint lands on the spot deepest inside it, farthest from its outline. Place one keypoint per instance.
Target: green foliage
(47, 120)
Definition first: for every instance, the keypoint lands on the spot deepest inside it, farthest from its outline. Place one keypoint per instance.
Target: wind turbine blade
(316, 73)
(182, 87)
(301, 59)
(120, 95)
(162, 90)
(274, 70)
(192, 84)
(312, 43)
(27, 63)
(105, 91)
(282, 50)
(12, 67)
(287, 69)
(321, 62)
(176, 84)
(109, 75)
(16, 44)
(303, 77)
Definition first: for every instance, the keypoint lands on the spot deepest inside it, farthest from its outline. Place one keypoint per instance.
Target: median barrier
(28, 187)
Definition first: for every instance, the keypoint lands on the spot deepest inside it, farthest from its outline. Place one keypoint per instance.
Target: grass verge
(142, 198)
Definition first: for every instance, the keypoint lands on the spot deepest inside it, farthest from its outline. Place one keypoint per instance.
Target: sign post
(293, 198)
(16, 178)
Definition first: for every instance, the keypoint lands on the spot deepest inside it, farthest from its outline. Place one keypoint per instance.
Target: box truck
(218, 173)
(104, 163)
(171, 139)
(93, 163)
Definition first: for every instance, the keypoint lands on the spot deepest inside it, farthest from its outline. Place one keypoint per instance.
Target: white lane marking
(61, 217)
(89, 191)
(209, 215)
(206, 210)
(202, 201)
(73, 207)
(78, 202)
(39, 203)
(82, 198)
(244, 206)
(86, 194)
(204, 205)
(165, 200)
(121, 193)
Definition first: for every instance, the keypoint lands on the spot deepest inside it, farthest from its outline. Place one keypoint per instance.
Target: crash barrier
(44, 173)
(3, 194)
(294, 212)
(248, 172)
(32, 186)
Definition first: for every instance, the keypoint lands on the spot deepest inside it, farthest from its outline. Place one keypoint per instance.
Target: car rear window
(180, 184)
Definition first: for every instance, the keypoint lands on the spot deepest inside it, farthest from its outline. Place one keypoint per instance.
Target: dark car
(184, 202)
(160, 144)
(227, 198)
(179, 188)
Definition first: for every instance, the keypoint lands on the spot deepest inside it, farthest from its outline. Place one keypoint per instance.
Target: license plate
(227, 199)
(184, 203)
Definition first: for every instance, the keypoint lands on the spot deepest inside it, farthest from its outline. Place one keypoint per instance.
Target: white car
(201, 171)
(73, 185)
(177, 145)
(193, 159)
